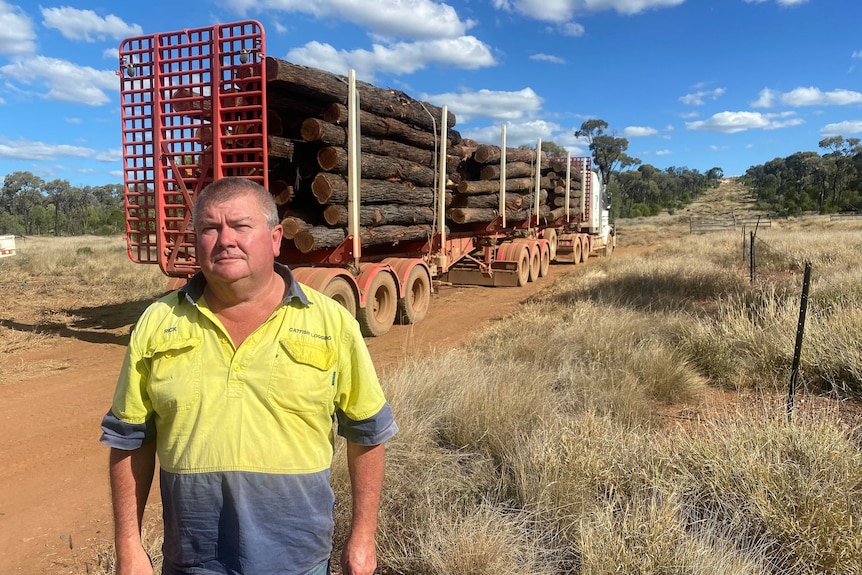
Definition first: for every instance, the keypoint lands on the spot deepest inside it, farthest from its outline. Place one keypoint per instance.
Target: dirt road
(54, 495)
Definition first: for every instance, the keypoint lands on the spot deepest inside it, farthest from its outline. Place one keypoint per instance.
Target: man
(234, 381)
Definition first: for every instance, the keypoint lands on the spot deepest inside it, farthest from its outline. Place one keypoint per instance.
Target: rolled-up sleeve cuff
(372, 431)
(126, 436)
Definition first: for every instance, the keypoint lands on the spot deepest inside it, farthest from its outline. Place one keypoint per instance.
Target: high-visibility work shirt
(244, 434)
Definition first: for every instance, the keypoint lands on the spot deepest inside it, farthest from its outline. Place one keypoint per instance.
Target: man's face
(234, 242)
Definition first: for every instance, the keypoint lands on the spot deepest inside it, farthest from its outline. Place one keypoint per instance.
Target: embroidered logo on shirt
(301, 331)
(170, 330)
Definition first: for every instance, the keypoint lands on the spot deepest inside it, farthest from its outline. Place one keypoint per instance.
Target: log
(559, 213)
(281, 190)
(281, 147)
(291, 226)
(513, 201)
(321, 237)
(314, 130)
(574, 201)
(383, 102)
(513, 170)
(336, 215)
(491, 186)
(332, 188)
(487, 215)
(388, 128)
(486, 154)
(332, 159)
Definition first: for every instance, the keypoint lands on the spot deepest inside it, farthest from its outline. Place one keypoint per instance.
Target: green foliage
(31, 206)
(808, 181)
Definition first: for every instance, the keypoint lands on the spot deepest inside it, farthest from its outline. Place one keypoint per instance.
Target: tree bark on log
(281, 147)
(389, 128)
(383, 102)
(485, 154)
(314, 130)
(292, 225)
(513, 170)
(321, 237)
(491, 186)
(332, 159)
(332, 188)
(370, 216)
(513, 201)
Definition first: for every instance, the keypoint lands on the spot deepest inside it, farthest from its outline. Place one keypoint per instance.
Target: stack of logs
(307, 145)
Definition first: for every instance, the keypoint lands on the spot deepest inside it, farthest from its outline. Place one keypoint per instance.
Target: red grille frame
(193, 107)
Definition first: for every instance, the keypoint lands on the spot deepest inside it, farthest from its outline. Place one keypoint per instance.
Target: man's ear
(277, 233)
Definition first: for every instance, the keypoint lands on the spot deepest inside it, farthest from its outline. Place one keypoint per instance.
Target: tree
(22, 194)
(608, 151)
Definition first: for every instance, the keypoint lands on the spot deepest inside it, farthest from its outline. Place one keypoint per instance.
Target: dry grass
(586, 433)
(66, 285)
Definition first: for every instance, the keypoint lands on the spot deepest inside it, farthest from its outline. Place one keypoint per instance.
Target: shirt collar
(194, 288)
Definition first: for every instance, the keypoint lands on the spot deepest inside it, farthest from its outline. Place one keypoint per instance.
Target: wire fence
(813, 281)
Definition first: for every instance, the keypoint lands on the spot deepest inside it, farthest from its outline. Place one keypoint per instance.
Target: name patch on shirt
(302, 331)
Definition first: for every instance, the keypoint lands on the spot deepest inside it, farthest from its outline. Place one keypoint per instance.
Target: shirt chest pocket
(302, 377)
(175, 375)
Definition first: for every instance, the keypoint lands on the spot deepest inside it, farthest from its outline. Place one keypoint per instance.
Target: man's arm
(131, 478)
(365, 464)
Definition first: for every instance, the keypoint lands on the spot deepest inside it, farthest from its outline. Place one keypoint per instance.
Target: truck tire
(378, 315)
(535, 261)
(544, 258)
(340, 290)
(417, 297)
(523, 266)
(551, 236)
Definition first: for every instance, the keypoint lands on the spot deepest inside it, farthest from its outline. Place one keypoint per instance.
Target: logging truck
(381, 199)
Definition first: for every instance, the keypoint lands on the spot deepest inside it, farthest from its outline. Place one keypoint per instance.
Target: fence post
(751, 258)
(800, 329)
(743, 243)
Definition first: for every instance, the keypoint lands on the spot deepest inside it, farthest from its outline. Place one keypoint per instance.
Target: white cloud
(413, 19)
(663, 152)
(465, 52)
(42, 151)
(73, 120)
(112, 54)
(66, 82)
(807, 96)
(842, 128)
(779, 2)
(555, 10)
(856, 54)
(815, 97)
(16, 31)
(571, 29)
(547, 58)
(489, 104)
(639, 131)
(86, 25)
(698, 98)
(766, 99)
(733, 122)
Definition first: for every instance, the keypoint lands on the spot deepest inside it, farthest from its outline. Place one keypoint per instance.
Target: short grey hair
(231, 187)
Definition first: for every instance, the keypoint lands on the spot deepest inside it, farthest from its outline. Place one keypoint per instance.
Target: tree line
(635, 189)
(30, 205)
(825, 182)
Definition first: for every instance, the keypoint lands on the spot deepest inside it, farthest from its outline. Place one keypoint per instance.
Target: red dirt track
(54, 494)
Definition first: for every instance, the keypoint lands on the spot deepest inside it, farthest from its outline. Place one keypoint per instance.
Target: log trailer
(201, 104)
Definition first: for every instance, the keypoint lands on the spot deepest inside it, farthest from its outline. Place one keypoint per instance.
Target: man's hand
(134, 562)
(365, 464)
(358, 557)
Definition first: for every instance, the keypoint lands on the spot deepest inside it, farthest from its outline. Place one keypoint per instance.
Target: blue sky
(690, 83)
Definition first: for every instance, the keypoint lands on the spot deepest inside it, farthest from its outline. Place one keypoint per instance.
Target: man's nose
(226, 236)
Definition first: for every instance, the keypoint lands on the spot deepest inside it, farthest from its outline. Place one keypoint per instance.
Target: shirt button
(236, 368)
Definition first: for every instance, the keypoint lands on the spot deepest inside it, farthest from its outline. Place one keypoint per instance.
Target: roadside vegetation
(631, 419)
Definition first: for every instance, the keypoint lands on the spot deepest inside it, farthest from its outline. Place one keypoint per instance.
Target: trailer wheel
(523, 266)
(585, 249)
(378, 315)
(339, 289)
(417, 297)
(535, 262)
(551, 236)
(576, 250)
(544, 258)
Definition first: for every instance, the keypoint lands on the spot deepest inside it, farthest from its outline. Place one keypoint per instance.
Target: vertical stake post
(751, 265)
(800, 329)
